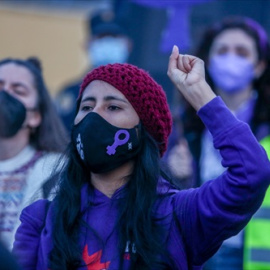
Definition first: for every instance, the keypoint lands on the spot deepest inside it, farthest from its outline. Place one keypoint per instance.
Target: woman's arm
(27, 237)
(222, 207)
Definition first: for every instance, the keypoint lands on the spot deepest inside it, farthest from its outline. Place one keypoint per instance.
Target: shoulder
(47, 167)
(171, 197)
(28, 234)
(50, 156)
(49, 161)
(35, 214)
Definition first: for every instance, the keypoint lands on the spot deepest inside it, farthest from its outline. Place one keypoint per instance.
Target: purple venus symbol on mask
(111, 149)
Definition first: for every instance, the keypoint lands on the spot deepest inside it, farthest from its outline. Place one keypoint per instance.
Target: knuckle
(201, 61)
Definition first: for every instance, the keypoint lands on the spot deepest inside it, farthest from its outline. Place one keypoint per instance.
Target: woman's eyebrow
(21, 84)
(108, 98)
(88, 99)
(16, 84)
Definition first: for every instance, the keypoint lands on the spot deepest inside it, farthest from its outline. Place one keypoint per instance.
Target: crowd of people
(108, 176)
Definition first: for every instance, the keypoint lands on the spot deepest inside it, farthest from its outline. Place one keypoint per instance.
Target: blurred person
(257, 236)
(114, 208)
(31, 140)
(178, 157)
(107, 42)
(180, 163)
(236, 54)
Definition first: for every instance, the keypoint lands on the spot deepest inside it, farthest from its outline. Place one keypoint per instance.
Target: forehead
(101, 88)
(234, 38)
(12, 72)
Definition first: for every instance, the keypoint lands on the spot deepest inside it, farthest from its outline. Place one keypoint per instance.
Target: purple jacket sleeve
(222, 207)
(28, 234)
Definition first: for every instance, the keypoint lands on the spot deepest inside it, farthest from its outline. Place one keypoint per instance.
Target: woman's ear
(34, 119)
(260, 68)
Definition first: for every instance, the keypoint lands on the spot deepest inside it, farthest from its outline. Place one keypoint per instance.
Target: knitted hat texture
(145, 95)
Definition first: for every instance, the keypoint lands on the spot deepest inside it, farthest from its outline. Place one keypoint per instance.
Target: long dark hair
(135, 219)
(193, 126)
(50, 135)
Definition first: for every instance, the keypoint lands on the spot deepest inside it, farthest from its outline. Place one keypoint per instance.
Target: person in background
(257, 236)
(115, 209)
(107, 42)
(32, 137)
(178, 158)
(236, 54)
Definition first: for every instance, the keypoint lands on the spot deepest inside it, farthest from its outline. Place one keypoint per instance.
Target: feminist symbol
(117, 141)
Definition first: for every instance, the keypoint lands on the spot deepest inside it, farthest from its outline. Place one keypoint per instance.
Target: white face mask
(108, 50)
(231, 73)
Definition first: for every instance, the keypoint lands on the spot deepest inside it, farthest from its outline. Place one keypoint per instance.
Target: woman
(114, 209)
(31, 140)
(236, 54)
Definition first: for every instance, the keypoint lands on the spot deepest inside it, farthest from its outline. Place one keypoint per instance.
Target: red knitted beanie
(145, 95)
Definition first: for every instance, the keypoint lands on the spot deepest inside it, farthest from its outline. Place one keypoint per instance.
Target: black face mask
(12, 115)
(102, 146)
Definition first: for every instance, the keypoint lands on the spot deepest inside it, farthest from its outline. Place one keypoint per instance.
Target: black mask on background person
(12, 115)
(102, 146)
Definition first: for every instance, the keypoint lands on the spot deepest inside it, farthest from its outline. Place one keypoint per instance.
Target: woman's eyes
(86, 108)
(222, 51)
(240, 51)
(113, 108)
(19, 91)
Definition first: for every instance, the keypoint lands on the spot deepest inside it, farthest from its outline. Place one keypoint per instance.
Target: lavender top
(196, 221)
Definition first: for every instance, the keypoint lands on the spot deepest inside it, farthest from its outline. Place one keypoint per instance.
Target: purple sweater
(196, 221)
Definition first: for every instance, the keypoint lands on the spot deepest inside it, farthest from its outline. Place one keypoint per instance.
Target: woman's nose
(98, 109)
